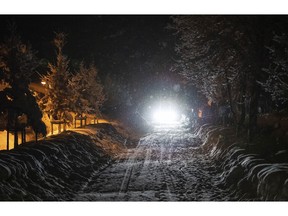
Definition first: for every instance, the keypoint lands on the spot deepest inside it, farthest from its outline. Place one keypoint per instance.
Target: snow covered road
(164, 166)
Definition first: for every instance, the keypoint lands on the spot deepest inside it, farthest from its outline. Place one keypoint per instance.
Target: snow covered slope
(252, 173)
(57, 167)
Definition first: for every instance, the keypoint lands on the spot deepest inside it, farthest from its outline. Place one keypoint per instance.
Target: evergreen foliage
(57, 99)
(18, 63)
(87, 91)
(80, 93)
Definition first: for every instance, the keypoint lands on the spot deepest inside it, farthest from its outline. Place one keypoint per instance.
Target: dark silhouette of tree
(18, 63)
(223, 56)
(277, 72)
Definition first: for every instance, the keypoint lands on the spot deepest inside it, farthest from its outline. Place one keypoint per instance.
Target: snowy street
(163, 166)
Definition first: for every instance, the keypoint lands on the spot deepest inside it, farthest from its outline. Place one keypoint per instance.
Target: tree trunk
(15, 130)
(230, 97)
(253, 109)
(242, 104)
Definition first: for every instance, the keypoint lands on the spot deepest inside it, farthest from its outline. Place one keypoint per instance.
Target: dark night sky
(137, 49)
(124, 44)
(111, 41)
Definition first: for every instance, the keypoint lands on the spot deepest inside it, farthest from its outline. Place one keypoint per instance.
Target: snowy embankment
(250, 173)
(57, 167)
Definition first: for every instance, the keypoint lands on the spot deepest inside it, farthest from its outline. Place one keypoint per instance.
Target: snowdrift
(57, 167)
(250, 173)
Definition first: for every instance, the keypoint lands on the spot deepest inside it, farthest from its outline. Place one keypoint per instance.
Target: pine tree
(58, 94)
(18, 63)
(88, 93)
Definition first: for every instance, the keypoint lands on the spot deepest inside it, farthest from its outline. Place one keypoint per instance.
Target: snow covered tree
(18, 63)
(210, 55)
(87, 91)
(277, 81)
(223, 56)
(57, 99)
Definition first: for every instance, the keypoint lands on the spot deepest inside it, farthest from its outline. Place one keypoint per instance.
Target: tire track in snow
(163, 166)
(130, 162)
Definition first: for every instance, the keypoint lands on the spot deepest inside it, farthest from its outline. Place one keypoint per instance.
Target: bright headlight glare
(163, 116)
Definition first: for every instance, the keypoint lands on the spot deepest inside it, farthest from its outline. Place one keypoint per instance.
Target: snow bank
(57, 167)
(246, 171)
